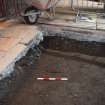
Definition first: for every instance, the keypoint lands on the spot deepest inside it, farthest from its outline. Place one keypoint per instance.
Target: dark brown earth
(85, 85)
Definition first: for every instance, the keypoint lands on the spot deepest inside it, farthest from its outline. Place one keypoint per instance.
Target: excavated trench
(67, 45)
(82, 62)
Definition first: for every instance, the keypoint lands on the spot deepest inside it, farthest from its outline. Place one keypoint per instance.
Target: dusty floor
(86, 84)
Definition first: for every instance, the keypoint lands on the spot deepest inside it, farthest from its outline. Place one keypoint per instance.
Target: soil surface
(85, 85)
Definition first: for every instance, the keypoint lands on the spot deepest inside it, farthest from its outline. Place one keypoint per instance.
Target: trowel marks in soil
(85, 85)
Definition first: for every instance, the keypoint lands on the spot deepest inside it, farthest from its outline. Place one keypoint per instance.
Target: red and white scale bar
(53, 79)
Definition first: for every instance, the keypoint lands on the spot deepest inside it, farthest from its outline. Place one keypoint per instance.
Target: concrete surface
(15, 40)
(80, 34)
(68, 17)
